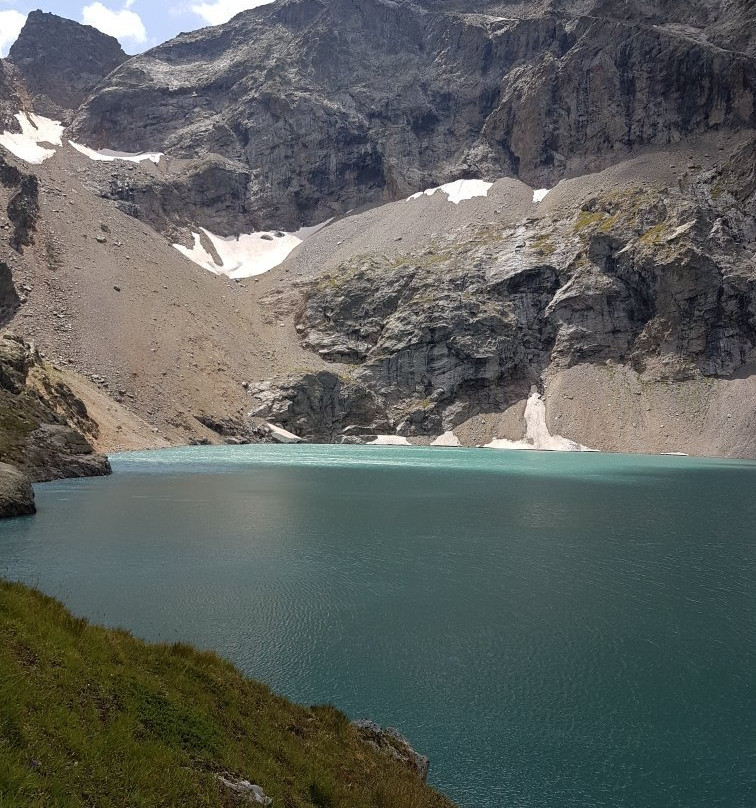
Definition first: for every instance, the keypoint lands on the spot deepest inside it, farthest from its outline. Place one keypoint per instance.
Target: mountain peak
(62, 61)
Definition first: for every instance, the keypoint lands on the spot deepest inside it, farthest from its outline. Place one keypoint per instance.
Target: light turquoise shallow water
(555, 631)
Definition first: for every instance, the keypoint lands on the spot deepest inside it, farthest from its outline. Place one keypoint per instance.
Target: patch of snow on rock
(242, 256)
(458, 191)
(390, 440)
(35, 130)
(281, 435)
(537, 435)
(540, 194)
(447, 439)
(108, 155)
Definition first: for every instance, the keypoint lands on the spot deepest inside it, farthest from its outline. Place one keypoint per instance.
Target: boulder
(243, 789)
(392, 743)
(16, 493)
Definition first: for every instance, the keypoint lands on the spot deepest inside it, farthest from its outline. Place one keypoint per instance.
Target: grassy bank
(92, 717)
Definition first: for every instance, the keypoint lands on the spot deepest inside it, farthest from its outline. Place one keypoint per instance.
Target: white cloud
(124, 24)
(221, 11)
(11, 23)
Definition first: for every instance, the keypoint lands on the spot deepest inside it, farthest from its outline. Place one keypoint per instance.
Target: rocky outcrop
(10, 97)
(658, 279)
(309, 108)
(392, 743)
(244, 791)
(62, 61)
(42, 423)
(320, 406)
(16, 493)
(23, 204)
(9, 299)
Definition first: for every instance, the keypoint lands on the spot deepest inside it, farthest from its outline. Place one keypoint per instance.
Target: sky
(138, 24)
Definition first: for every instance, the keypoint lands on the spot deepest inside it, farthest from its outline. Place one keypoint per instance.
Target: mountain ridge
(630, 279)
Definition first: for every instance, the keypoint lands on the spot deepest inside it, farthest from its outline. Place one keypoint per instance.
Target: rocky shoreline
(16, 493)
(44, 428)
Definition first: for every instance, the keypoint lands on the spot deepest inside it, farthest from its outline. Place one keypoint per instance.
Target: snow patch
(108, 155)
(242, 256)
(280, 435)
(35, 130)
(537, 435)
(540, 194)
(458, 191)
(447, 439)
(389, 440)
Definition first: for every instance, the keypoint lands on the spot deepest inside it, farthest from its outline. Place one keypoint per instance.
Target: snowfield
(537, 435)
(35, 130)
(389, 440)
(458, 191)
(108, 155)
(242, 256)
(540, 194)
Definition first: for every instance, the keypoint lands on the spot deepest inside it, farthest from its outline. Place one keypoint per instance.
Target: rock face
(23, 204)
(41, 421)
(246, 792)
(16, 493)
(9, 299)
(309, 108)
(62, 61)
(321, 406)
(392, 743)
(10, 98)
(659, 279)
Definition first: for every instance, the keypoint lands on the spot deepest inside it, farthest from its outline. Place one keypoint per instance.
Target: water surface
(555, 631)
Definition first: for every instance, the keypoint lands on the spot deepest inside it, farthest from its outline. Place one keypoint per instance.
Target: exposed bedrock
(315, 107)
(9, 299)
(61, 62)
(42, 423)
(23, 204)
(658, 280)
(10, 96)
(321, 406)
(16, 493)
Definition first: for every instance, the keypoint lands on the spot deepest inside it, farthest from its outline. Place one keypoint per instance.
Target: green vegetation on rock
(90, 716)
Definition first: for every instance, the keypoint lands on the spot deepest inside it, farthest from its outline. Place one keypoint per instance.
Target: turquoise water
(554, 631)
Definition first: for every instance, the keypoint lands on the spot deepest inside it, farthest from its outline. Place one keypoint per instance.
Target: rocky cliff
(61, 62)
(310, 108)
(42, 423)
(646, 276)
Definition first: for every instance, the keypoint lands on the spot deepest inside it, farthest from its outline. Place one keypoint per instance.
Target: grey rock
(41, 421)
(62, 61)
(660, 280)
(247, 791)
(23, 204)
(16, 493)
(319, 406)
(9, 298)
(394, 744)
(310, 108)
(11, 92)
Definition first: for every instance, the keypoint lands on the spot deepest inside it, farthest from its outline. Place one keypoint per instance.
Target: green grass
(604, 222)
(92, 717)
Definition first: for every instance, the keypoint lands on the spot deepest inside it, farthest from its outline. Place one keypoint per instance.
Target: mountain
(61, 61)
(310, 108)
(584, 273)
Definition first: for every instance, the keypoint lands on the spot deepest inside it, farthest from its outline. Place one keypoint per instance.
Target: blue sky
(138, 24)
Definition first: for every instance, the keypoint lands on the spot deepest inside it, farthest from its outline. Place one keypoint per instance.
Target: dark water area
(553, 630)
